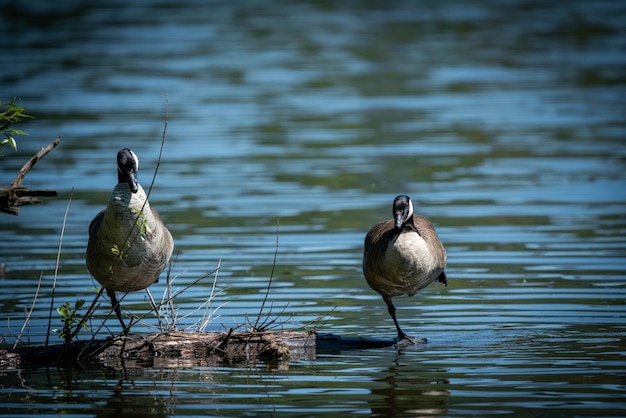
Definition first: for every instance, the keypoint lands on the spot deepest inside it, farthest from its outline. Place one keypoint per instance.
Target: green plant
(142, 224)
(70, 318)
(10, 113)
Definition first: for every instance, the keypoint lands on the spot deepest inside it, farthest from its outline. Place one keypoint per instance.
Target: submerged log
(14, 194)
(188, 349)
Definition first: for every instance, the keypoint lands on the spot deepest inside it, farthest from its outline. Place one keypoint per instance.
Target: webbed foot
(405, 340)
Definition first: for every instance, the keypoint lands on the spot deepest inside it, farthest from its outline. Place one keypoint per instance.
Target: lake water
(299, 122)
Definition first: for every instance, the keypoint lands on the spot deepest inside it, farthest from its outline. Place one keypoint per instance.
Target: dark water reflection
(505, 122)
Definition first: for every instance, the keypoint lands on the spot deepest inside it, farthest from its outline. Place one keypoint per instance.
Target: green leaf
(18, 131)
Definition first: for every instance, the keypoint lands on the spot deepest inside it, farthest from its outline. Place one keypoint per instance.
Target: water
(504, 122)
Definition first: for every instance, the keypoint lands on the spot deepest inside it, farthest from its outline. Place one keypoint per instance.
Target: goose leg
(392, 312)
(116, 308)
(402, 339)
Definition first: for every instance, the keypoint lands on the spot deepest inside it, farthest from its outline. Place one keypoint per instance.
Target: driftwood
(15, 194)
(187, 349)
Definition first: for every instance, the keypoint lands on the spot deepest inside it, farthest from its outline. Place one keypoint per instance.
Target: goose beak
(399, 220)
(133, 184)
(127, 165)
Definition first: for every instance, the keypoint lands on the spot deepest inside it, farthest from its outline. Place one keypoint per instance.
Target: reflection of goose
(129, 246)
(402, 256)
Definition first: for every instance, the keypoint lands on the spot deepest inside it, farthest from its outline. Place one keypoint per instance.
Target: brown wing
(377, 237)
(94, 225)
(375, 245)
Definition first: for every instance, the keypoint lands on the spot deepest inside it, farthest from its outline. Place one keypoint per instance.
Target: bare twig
(17, 181)
(58, 262)
(269, 284)
(15, 194)
(166, 308)
(317, 320)
(179, 292)
(158, 163)
(265, 325)
(169, 297)
(175, 322)
(208, 315)
(154, 307)
(19, 337)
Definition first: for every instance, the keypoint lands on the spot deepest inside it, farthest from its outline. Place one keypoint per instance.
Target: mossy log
(187, 349)
(14, 194)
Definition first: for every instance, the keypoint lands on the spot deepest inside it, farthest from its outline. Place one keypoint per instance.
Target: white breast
(410, 262)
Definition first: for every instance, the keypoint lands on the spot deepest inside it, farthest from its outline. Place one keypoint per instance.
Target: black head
(127, 166)
(402, 210)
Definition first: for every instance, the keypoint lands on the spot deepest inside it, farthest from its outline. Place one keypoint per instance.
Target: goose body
(129, 246)
(403, 255)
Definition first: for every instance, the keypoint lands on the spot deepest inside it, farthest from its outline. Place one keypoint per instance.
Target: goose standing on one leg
(129, 246)
(402, 256)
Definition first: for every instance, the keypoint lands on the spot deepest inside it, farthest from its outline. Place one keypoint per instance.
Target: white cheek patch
(410, 209)
(136, 160)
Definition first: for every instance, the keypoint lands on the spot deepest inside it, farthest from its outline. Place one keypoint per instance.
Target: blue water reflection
(504, 122)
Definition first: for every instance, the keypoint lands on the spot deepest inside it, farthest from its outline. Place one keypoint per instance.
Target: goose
(129, 246)
(402, 256)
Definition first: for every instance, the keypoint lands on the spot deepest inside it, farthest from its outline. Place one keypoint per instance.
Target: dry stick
(168, 319)
(206, 305)
(56, 267)
(167, 316)
(16, 193)
(169, 297)
(203, 324)
(267, 323)
(153, 304)
(19, 337)
(210, 317)
(184, 289)
(269, 284)
(156, 169)
(318, 319)
(17, 181)
(205, 320)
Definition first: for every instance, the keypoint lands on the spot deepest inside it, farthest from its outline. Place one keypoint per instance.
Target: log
(14, 194)
(180, 349)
